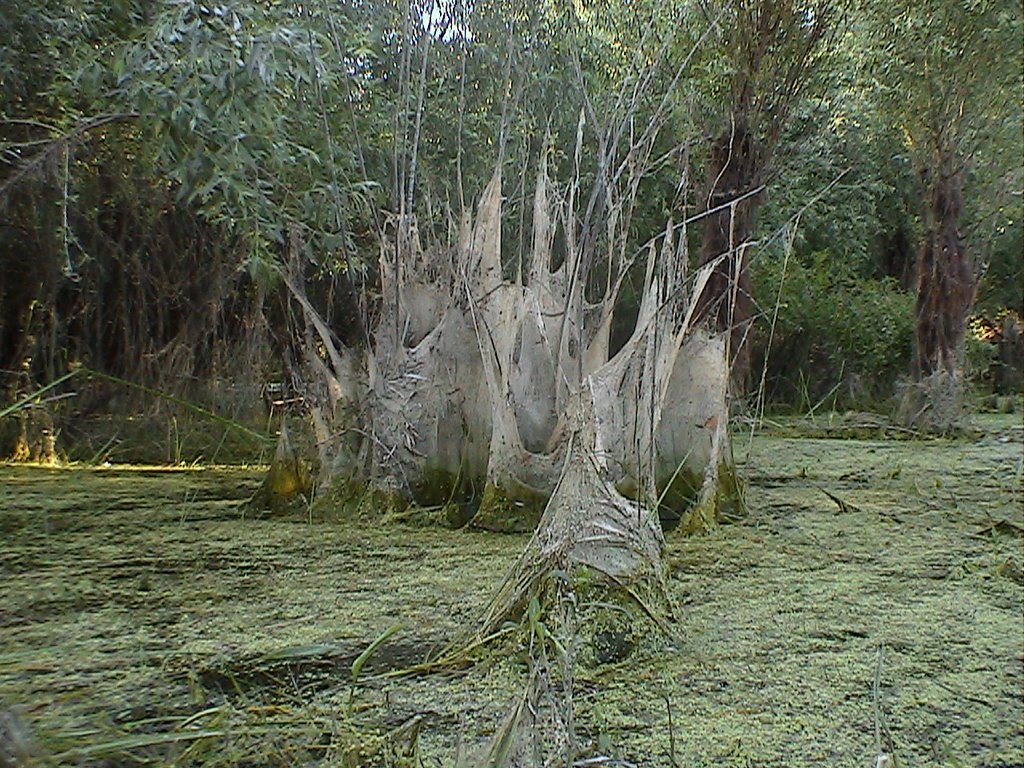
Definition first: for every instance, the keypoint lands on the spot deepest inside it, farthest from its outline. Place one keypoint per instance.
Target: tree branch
(57, 145)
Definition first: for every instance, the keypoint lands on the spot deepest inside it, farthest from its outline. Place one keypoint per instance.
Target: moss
(288, 486)
(334, 501)
(612, 637)
(346, 499)
(515, 508)
(453, 493)
(287, 478)
(678, 493)
(782, 619)
(439, 498)
(435, 487)
(458, 515)
(700, 518)
(608, 632)
(611, 623)
(684, 511)
(32, 437)
(731, 493)
(379, 502)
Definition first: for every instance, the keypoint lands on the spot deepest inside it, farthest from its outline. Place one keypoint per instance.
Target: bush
(836, 334)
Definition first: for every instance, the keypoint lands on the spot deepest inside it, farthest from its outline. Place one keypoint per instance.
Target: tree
(951, 74)
(766, 56)
(488, 376)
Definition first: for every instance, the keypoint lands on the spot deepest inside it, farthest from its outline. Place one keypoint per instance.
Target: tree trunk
(945, 291)
(727, 302)
(945, 280)
(589, 588)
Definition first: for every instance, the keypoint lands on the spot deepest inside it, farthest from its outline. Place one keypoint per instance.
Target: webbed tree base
(587, 592)
(935, 405)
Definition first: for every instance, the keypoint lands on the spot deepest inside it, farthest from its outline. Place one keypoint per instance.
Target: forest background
(518, 262)
(159, 159)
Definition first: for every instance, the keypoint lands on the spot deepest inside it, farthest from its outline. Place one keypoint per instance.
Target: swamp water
(870, 601)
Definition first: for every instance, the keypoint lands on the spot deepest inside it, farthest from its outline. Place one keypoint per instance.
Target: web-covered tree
(477, 348)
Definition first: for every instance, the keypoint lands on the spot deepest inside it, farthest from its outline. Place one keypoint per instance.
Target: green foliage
(948, 77)
(979, 357)
(848, 183)
(1002, 274)
(845, 194)
(949, 71)
(834, 331)
(234, 97)
(46, 45)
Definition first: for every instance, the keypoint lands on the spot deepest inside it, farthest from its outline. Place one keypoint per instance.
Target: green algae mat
(869, 602)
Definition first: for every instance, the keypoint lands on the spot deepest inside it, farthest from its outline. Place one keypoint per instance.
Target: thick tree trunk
(589, 588)
(945, 291)
(945, 281)
(727, 302)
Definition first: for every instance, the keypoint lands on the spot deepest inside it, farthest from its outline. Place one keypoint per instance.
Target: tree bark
(727, 301)
(945, 279)
(935, 400)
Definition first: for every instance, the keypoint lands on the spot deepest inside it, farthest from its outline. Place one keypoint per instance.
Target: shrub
(835, 333)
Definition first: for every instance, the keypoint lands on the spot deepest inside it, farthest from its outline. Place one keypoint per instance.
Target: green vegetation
(835, 338)
(516, 266)
(161, 162)
(145, 618)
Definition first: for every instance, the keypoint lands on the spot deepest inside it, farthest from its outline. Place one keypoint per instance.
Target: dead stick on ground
(671, 733)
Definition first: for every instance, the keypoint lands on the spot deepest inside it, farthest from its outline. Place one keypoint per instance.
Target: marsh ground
(142, 618)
